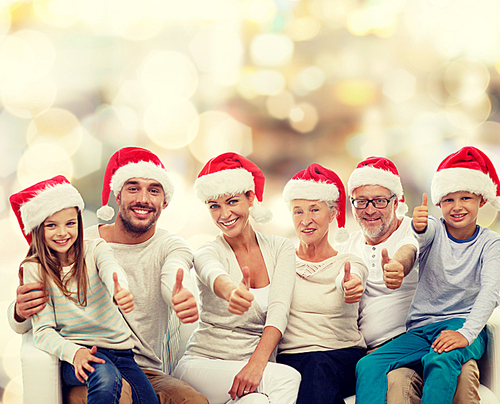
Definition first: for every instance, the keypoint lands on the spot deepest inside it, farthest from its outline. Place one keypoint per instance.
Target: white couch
(42, 384)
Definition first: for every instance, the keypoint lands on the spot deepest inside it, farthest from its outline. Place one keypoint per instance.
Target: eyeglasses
(379, 203)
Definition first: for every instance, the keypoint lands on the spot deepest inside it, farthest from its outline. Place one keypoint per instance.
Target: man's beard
(385, 225)
(137, 227)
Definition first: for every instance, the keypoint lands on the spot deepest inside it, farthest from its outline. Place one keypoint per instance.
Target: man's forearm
(406, 256)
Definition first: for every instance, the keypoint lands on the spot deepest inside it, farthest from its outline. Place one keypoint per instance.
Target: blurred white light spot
(259, 11)
(58, 13)
(168, 73)
(25, 56)
(304, 28)
(5, 20)
(280, 105)
(304, 117)
(174, 216)
(468, 113)
(309, 79)
(43, 160)
(399, 85)
(466, 78)
(218, 132)
(268, 82)
(135, 20)
(58, 125)
(88, 157)
(27, 101)
(167, 123)
(218, 49)
(271, 49)
(13, 393)
(297, 114)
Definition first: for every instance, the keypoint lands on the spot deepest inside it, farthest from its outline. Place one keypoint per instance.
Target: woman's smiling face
(230, 213)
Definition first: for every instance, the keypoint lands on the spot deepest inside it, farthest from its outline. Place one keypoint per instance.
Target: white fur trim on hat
(142, 169)
(374, 176)
(47, 202)
(310, 190)
(224, 182)
(458, 179)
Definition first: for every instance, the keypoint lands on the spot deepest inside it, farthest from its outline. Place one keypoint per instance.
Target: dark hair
(50, 266)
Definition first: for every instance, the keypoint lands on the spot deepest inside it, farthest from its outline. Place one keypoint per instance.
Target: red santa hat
(36, 203)
(132, 162)
(470, 170)
(231, 174)
(379, 171)
(317, 183)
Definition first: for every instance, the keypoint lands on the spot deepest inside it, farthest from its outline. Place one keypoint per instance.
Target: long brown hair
(51, 267)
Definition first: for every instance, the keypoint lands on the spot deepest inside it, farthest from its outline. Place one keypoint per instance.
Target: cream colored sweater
(320, 320)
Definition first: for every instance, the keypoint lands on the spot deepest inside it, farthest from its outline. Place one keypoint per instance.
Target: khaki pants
(168, 389)
(405, 386)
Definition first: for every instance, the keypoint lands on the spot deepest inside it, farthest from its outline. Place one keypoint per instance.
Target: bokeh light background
(284, 82)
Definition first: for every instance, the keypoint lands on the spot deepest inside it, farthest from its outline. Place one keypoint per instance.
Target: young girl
(80, 324)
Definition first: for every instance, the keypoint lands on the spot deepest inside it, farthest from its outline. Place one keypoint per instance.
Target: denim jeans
(104, 384)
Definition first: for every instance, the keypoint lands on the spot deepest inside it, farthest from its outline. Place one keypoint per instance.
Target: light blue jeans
(440, 370)
(105, 383)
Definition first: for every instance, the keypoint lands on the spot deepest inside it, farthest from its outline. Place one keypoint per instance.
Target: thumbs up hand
(393, 271)
(353, 289)
(421, 215)
(123, 298)
(240, 298)
(184, 302)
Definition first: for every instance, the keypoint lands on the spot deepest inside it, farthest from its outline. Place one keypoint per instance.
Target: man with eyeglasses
(387, 245)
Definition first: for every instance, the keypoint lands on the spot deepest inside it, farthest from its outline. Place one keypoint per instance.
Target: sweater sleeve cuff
(17, 327)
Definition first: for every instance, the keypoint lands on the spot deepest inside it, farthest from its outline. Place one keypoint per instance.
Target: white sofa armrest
(489, 364)
(40, 373)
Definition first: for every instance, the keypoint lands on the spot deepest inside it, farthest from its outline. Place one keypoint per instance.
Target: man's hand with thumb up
(184, 302)
(122, 297)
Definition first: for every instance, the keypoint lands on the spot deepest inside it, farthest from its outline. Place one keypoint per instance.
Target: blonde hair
(50, 266)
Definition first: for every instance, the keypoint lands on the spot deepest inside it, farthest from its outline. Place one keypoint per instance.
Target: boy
(458, 285)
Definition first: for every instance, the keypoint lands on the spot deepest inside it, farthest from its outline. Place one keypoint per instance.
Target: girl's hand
(82, 360)
(353, 289)
(421, 215)
(246, 381)
(122, 297)
(449, 340)
(240, 298)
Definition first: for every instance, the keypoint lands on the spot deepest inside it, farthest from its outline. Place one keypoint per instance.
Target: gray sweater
(221, 334)
(457, 278)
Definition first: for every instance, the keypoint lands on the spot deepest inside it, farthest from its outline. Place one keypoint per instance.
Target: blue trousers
(440, 370)
(105, 382)
(327, 376)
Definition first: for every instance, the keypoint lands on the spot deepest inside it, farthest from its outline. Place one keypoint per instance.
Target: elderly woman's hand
(353, 288)
(240, 298)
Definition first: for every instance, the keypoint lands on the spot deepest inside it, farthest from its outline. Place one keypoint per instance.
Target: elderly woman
(246, 283)
(322, 340)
